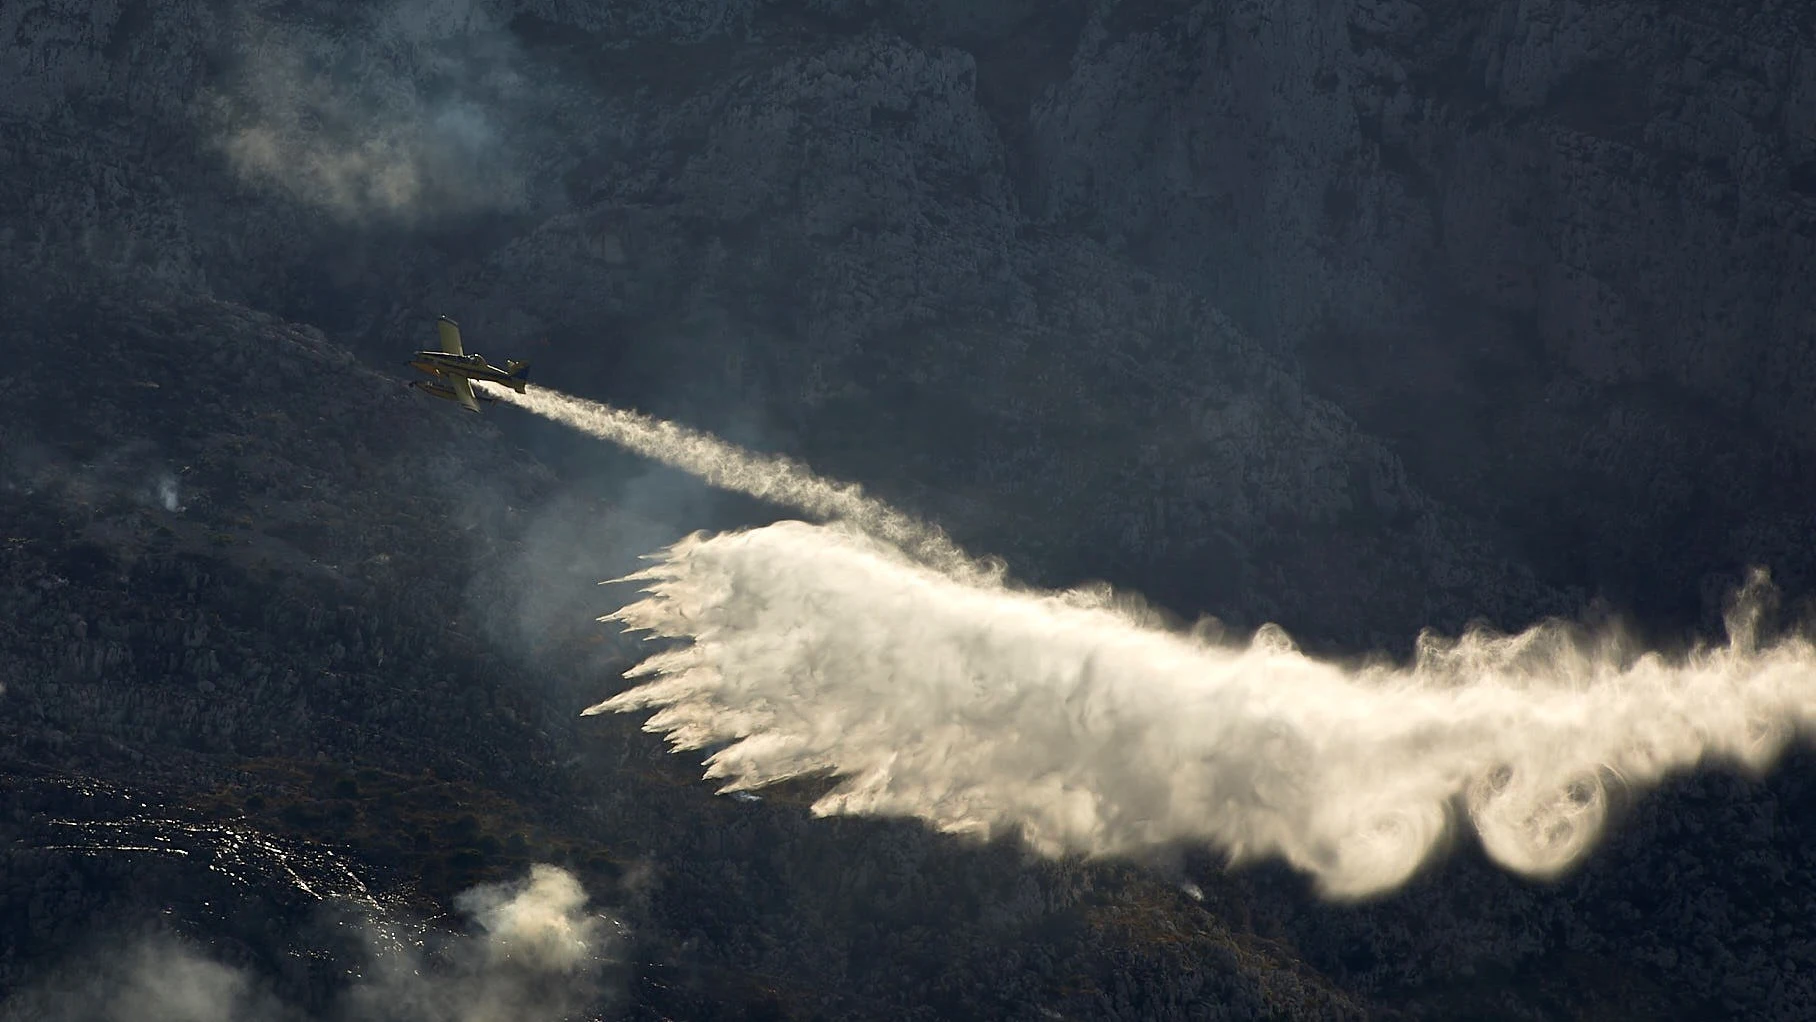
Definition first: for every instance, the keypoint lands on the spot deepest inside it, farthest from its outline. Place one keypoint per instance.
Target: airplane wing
(463, 392)
(450, 335)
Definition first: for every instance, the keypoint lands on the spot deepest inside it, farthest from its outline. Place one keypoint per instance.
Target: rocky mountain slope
(280, 642)
(1360, 318)
(812, 240)
(1547, 254)
(1553, 251)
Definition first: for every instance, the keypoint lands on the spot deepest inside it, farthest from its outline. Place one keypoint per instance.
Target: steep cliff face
(1356, 316)
(834, 250)
(804, 225)
(1554, 252)
(1380, 161)
(1547, 254)
(234, 628)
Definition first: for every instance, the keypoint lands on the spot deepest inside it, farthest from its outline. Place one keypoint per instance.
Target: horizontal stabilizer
(516, 371)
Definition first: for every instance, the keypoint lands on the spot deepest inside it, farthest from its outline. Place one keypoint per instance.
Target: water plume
(1060, 716)
(770, 477)
(868, 648)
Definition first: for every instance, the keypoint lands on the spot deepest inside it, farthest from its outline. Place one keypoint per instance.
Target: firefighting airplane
(452, 370)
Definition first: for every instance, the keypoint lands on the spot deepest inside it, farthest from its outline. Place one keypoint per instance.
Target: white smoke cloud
(876, 650)
(157, 980)
(404, 118)
(538, 953)
(166, 487)
(538, 923)
(164, 983)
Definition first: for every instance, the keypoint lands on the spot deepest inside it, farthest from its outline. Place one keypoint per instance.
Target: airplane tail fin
(517, 371)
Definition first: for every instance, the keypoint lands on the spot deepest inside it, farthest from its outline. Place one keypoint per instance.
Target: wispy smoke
(117, 474)
(163, 982)
(539, 597)
(1079, 720)
(167, 493)
(537, 954)
(159, 979)
(402, 118)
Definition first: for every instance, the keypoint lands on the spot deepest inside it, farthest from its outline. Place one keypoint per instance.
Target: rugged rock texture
(1553, 251)
(1547, 254)
(1358, 316)
(812, 239)
(223, 630)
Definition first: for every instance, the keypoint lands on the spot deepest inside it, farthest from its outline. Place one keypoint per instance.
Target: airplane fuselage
(473, 367)
(451, 371)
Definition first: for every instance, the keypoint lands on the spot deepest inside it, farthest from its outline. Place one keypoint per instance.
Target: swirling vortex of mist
(933, 688)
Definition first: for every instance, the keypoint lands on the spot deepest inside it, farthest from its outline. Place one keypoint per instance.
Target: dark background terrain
(1360, 317)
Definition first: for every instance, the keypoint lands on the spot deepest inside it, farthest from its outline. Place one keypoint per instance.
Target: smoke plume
(166, 487)
(1082, 722)
(535, 953)
(405, 118)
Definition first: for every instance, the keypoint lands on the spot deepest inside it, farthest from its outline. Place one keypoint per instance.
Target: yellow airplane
(452, 370)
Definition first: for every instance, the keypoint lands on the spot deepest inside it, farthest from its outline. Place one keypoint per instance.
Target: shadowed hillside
(1359, 319)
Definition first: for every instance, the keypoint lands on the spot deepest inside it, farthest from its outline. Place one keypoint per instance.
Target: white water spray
(1089, 728)
(769, 477)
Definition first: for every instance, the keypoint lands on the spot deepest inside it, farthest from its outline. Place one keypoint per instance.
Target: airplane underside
(452, 370)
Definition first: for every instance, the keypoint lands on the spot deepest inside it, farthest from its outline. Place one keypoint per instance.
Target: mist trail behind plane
(764, 476)
(1087, 728)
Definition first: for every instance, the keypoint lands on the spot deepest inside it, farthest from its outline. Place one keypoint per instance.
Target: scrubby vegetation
(295, 653)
